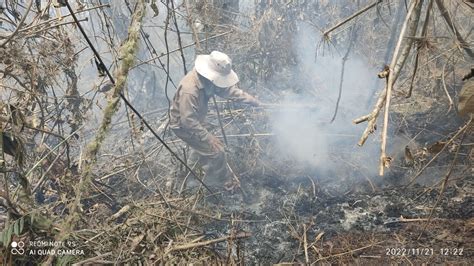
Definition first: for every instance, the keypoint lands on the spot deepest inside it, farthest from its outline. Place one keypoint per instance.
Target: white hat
(217, 67)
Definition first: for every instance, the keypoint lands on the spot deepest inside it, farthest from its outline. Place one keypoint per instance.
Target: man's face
(209, 87)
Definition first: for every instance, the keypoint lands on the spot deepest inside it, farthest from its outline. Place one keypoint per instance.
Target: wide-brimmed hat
(217, 67)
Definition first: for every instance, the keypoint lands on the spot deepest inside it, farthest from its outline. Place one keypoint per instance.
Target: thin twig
(344, 59)
(451, 103)
(177, 50)
(180, 43)
(10, 37)
(348, 252)
(305, 244)
(363, 10)
(437, 154)
(220, 120)
(207, 242)
(453, 28)
(420, 46)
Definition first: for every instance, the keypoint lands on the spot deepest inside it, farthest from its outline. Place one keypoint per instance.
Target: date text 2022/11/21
(424, 251)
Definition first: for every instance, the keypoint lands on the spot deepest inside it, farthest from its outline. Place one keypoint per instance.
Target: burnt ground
(343, 217)
(382, 226)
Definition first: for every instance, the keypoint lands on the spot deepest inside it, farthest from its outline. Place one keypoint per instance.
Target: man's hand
(216, 144)
(255, 102)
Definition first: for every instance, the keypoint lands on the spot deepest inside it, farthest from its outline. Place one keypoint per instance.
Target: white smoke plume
(306, 134)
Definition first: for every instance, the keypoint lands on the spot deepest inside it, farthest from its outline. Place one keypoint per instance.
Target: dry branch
(372, 117)
(411, 23)
(400, 55)
(305, 244)
(208, 242)
(48, 22)
(358, 13)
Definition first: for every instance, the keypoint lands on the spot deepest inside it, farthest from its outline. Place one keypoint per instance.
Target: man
(211, 75)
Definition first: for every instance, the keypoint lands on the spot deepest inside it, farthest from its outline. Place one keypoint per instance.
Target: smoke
(306, 134)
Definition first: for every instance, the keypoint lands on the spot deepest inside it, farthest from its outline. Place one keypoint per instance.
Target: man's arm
(238, 95)
(188, 107)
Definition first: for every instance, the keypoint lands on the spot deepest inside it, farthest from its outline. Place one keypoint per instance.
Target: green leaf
(7, 237)
(10, 233)
(43, 222)
(16, 228)
(4, 236)
(22, 224)
(65, 260)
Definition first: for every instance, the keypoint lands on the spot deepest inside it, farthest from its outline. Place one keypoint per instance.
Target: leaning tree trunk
(128, 53)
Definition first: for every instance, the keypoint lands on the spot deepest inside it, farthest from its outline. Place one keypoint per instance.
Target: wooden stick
(305, 244)
(123, 210)
(250, 135)
(361, 119)
(236, 179)
(411, 220)
(259, 135)
(370, 256)
(415, 4)
(372, 118)
(273, 134)
(282, 105)
(220, 120)
(208, 242)
(349, 252)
